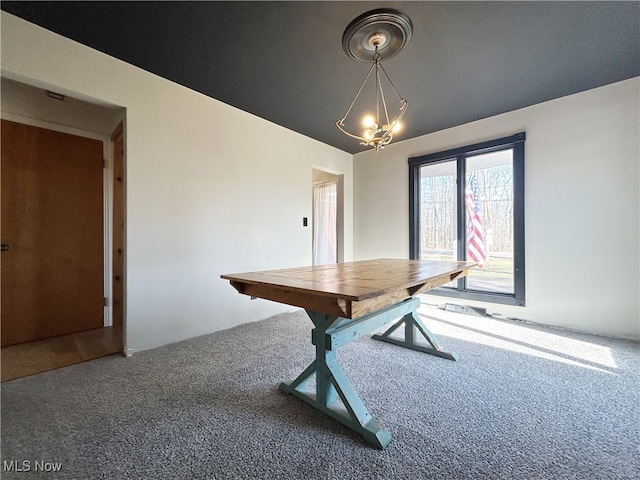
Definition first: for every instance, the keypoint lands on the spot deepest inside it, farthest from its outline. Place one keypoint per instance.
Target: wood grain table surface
(350, 289)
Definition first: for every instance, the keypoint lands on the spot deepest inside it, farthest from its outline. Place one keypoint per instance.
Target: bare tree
(494, 194)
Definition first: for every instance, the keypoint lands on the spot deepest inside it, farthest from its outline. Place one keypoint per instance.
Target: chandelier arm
(392, 85)
(358, 94)
(377, 95)
(403, 110)
(339, 125)
(376, 62)
(388, 134)
(384, 103)
(403, 103)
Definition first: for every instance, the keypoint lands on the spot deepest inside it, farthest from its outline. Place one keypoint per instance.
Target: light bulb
(368, 121)
(368, 134)
(397, 127)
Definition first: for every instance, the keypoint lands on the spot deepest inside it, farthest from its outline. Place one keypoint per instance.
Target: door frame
(107, 205)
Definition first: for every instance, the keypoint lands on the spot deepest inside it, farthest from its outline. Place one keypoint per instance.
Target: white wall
(210, 189)
(582, 214)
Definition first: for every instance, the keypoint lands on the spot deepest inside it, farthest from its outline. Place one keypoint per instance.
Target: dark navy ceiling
(284, 62)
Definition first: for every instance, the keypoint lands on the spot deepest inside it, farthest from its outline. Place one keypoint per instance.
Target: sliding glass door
(468, 204)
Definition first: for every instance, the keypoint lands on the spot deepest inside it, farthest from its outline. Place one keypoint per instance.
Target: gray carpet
(523, 402)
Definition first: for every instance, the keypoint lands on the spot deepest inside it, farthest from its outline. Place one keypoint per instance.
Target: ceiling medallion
(372, 37)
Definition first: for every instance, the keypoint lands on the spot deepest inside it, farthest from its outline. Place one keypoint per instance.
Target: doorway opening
(66, 222)
(328, 217)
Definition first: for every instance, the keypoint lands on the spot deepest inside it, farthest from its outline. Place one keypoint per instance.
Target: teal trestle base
(411, 323)
(333, 393)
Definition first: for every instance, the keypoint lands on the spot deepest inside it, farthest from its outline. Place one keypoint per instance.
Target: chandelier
(373, 37)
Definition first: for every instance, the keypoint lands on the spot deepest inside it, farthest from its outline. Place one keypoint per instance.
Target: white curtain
(325, 210)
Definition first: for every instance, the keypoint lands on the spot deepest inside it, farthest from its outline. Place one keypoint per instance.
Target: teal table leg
(333, 393)
(411, 323)
(332, 384)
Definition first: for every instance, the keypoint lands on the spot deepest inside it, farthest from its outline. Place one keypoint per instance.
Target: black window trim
(515, 142)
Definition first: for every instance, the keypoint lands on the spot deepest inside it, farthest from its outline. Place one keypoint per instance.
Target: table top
(349, 289)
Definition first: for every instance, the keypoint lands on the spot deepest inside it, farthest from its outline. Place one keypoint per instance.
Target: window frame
(515, 142)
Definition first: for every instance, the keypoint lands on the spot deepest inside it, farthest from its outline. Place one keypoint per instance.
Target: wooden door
(52, 271)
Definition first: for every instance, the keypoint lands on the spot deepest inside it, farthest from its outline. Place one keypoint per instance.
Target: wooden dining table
(345, 301)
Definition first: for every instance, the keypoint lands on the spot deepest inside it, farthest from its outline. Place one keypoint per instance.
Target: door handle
(4, 247)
